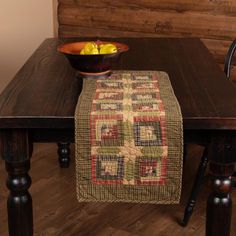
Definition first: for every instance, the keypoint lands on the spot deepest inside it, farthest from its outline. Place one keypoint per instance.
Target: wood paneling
(159, 22)
(217, 6)
(211, 20)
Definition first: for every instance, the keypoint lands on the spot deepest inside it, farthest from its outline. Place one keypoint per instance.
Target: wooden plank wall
(214, 21)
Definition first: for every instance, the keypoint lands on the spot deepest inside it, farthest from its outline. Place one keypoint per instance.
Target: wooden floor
(57, 213)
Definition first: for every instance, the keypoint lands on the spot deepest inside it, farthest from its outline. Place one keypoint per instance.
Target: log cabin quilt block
(129, 139)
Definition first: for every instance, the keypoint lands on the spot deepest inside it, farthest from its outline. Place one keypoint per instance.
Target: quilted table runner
(129, 139)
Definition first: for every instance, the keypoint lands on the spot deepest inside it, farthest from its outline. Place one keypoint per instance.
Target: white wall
(24, 25)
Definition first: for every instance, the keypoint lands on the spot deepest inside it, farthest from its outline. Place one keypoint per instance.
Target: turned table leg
(219, 204)
(63, 154)
(16, 151)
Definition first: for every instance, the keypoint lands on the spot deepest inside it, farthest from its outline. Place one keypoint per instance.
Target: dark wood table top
(44, 92)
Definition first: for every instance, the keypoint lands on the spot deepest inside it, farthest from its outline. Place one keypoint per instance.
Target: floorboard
(57, 212)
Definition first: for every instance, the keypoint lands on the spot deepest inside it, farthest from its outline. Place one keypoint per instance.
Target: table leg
(219, 204)
(63, 154)
(16, 151)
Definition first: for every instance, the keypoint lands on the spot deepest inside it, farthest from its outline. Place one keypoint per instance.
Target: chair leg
(195, 189)
(64, 154)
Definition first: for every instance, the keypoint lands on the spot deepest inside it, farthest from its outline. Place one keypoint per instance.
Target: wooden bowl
(91, 64)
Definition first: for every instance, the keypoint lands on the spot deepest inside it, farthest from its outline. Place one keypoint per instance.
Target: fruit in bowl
(93, 57)
(92, 48)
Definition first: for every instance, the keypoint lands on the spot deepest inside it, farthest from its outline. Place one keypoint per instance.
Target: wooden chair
(229, 58)
(204, 160)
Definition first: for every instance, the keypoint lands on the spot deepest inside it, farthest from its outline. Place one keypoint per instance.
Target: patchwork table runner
(129, 139)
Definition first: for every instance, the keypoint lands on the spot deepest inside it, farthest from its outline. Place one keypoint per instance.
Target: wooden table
(39, 103)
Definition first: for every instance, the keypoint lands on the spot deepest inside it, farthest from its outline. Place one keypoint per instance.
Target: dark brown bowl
(99, 63)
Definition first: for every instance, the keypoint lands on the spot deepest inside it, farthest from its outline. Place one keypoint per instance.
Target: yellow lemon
(94, 51)
(82, 52)
(108, 48)
(89, 47)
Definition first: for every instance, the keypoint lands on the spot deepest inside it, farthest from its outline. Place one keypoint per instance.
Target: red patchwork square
(106, 130)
